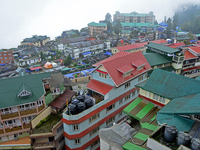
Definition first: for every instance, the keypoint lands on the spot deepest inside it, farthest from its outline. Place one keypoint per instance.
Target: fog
(20, 19)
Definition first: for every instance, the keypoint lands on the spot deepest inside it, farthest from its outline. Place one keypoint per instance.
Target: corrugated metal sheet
(145, 110)
(132, 105)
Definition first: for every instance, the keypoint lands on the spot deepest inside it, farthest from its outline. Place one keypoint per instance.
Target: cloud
(20, 19)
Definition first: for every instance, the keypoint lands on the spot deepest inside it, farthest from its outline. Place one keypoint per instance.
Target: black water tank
(170, 134)
(75, 102)
(80, 98)
(183, 139)
(81, 107)
(72, 109)
(88, 103)
(195, 144)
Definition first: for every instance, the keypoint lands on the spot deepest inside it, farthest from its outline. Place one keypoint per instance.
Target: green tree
(156, 22)
(134, 33)
(175, 21)
(190, 35)
(169, 28)
(68, 60)
(196, 25)
(84, 30)
(42, 56)
(117, 27)
(186, 26)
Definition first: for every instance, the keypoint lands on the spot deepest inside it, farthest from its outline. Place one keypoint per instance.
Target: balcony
(43, 145)
(11, 115)
(13, 129)
(1, 132)
(26, 112)
(27, 126)
(193, 75)
(98, 98)
(178, 58)
(41, 107)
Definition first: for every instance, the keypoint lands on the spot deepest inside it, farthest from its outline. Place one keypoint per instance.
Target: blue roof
(107, 53)
(163, 24)
(86, 53)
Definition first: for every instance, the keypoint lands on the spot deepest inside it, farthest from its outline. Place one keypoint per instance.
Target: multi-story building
(134, 17)
(6, 57)
(35, 40)
(111, 89)
(96, 28)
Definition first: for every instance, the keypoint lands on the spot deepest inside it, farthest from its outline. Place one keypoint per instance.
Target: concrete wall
(81, 79)
(42, 140)
(41, 116)
(153, 144)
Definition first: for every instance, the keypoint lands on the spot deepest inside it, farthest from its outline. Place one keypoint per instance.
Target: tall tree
(108, 17)
(175, 21)
(117, 27)
(156, 22)
(169, 28)
(68, 60)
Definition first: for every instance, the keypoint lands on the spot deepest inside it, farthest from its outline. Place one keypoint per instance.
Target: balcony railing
(1, 132)
(193, 75)
(27, 126)
(13, 129)
(11, 115)
(41, 107)
(26, 112)
(49, 144)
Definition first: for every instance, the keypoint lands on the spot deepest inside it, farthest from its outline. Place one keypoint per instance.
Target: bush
(39, 124)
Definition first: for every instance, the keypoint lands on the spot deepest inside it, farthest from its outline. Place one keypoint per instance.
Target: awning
(35, 68)
(99, 87)
(107, 53)
(86, 53)
(60, 102)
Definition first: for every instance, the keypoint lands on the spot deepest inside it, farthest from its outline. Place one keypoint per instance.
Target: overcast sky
(20, 19)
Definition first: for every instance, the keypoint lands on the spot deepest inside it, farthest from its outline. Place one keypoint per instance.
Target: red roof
(112, 65)
(132, 46)
(175, 45)
(138, 63)
(189, 55)
(99, 87)
(195, 49)
(125, 68)
(60, 102)
(198, 45)
(161, 41)
(191, 68)
(35, 68)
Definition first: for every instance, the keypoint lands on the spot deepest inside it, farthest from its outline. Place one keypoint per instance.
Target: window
(133, 94)
(159, 66)
(4, 54)
(60, 128)
(128, 84)
(140, 78)
(110, 120)
(5, 57)
(61, 140)
(138, 90)
(120, 114)
(140, 68)
(110, 107)
(10, 57)
(77, 141)
(1, 57)
(94, 131)
(96, 116)
(95, 143)
(102, 75)
(75, 127)
(127, 74)
(145, 75)
(120, 101)
(9, 53)
(127, 97)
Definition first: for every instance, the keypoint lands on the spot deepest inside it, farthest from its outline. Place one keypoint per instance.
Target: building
(135, 47)
(111, 89)
(6, 57)
(35, 40)
(96, 28)
(145, 26)
(134, 17)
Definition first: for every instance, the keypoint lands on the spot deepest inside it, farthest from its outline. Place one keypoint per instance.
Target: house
(135, 47)
(6, 57)
(134, 17)
(35, 40)
(110, 90)
(96, 28)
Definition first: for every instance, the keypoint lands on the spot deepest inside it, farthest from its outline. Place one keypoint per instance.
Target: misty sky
(23, 18)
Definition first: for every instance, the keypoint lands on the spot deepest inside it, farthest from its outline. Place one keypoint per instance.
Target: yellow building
(96, 28)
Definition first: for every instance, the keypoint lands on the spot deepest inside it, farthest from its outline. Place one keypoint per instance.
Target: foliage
(190, 36)
(74, 64)
(134, 33)
(84, 30)
(42, 56)
(192, 26)
(43, 121)
(86, 61)
(156, 22)
(108, 17)
(117, 27)
(68, 60)
(169, 28)
(175, 21)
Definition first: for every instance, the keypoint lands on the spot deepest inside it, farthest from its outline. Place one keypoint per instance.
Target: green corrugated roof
(141, 136)
(132, 24)
(168, 68)
(197, 34)
(149, 126)
(162, 48)
(11, 87)
(170, 85)
(97, 24)
(131, 146)
(155, 59)
(48, 99)
(145, 110)
(197, 78)
(132, 105)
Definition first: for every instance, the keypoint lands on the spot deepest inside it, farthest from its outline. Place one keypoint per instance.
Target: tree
(175, 21)
(68, 60)
(134, 33)
(42, 56)
(169, 28)
(108, 17)
(117, 28)
(190, 35)
(156, 22)
(84, 30)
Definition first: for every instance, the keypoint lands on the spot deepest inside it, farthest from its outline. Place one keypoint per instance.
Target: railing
(27, 126)
(26, 112)
(1, 132)
(192, 75)
(11, 115)
(43, 144)
(13, 129)
(41, 107)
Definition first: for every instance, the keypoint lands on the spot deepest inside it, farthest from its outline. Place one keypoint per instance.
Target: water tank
(75, 102)
(184, 139)
(81, 107)
(170, 134)
(195, 144)
(80, 98)
(71, 109)
(88, 103)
